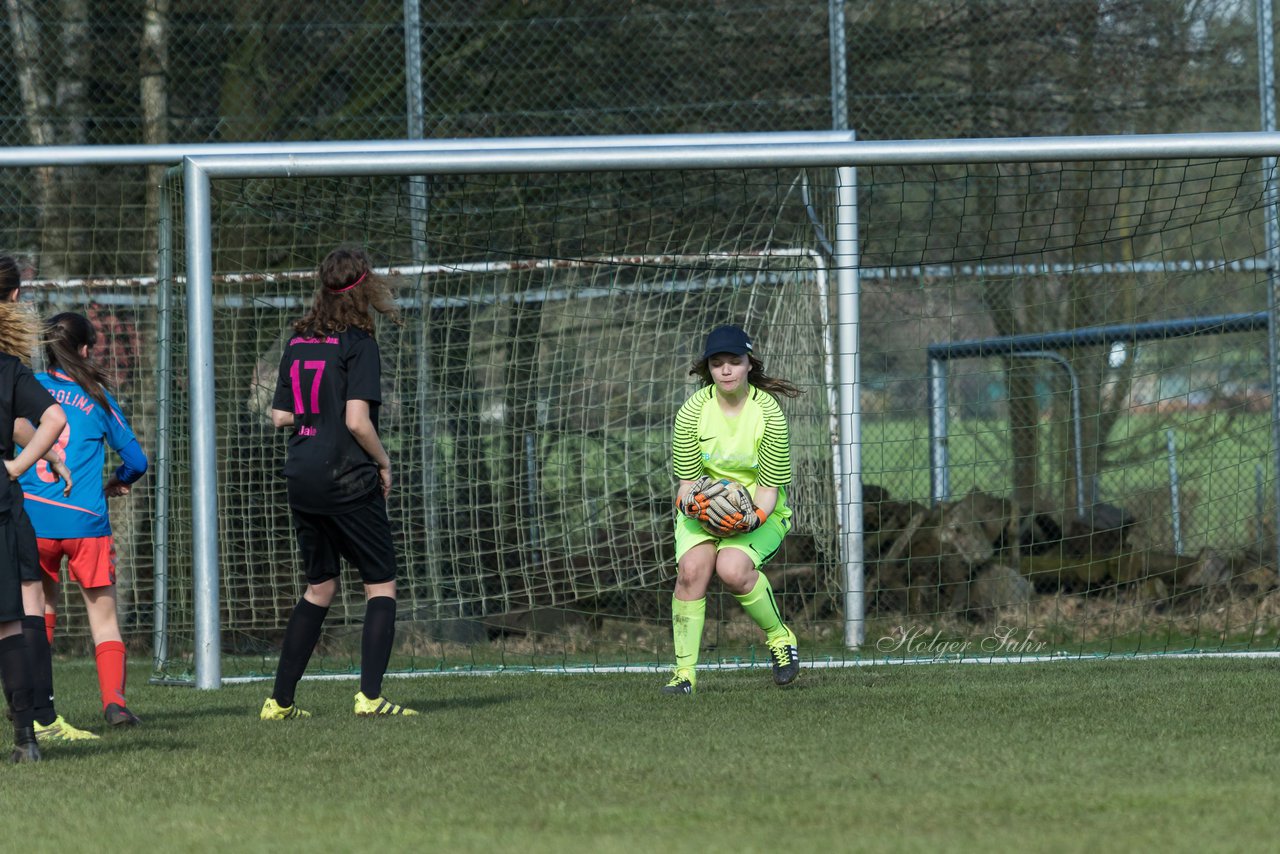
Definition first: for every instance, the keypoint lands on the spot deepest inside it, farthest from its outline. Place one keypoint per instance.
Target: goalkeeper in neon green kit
(732, 428)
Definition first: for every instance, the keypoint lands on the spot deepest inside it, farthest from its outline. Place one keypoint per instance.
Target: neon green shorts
(760, 544)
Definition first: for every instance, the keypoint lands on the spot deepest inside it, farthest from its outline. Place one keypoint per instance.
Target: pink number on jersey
(318, 367)
(295, 377)
(42, 466)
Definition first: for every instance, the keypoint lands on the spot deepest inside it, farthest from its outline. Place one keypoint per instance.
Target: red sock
(110, 657)
(50, 620)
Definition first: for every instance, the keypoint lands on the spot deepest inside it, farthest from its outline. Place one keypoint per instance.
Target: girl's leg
(688, 613)
(15, 673)
(300, 638)
(378, 636)
(368, 544)
(752, 590)
(33, 629)
(108, 652)
(52, 592)
(49, 725)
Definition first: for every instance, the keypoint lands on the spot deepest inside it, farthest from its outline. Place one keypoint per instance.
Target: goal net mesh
(528, 399)
(1101, 498)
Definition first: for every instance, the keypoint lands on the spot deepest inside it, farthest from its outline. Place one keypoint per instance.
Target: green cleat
(273, 711)
(377, 707)
(60, 731)
(786, 659)
(683, 683)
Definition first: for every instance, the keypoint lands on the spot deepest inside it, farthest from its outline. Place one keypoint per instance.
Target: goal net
(527, 404)
(1099, 473)
(1040, 488)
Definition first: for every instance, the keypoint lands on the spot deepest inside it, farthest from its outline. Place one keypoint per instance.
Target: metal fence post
(164, 415)
(203, 408)
(415, 124)
(1267, 102)
(850, 449)
(839, 65)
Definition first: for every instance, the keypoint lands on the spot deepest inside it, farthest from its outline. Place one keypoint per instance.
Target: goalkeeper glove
(723, 512)
(737, 522)
(698, 498)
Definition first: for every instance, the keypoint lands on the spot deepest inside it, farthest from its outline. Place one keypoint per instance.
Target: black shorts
(25, 532)
(28, 550)
(10, 583)
(362, 536)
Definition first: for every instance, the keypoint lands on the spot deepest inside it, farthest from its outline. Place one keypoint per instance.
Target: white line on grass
(820, 664)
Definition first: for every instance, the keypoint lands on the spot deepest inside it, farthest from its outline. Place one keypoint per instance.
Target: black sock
(300, 638)
(375, 643)
(41, 670)
(15, 672)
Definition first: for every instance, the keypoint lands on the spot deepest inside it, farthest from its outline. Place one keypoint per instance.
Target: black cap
(727, 339)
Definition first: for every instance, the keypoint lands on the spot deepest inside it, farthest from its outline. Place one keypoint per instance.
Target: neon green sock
(686, 630)
(761, 607)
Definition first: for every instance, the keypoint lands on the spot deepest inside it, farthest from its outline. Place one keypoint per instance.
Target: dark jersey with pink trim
(326, 469)
(21, 396)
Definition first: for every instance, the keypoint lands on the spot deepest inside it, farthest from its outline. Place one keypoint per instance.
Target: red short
(91, 561)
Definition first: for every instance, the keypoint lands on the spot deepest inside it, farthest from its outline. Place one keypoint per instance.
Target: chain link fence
(91, 72)
(160, 71)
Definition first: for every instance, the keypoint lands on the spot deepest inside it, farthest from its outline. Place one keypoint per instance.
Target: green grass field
(1172, 755)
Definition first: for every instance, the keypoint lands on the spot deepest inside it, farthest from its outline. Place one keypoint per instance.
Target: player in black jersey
(21, 396)
(338, 474)
(20, 326)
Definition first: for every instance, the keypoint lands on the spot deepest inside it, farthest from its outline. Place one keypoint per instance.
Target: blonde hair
(19, 330)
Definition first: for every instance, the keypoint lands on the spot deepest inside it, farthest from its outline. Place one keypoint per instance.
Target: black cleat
(786, 660)
(25, 748)
(118, 715)
(680, 685)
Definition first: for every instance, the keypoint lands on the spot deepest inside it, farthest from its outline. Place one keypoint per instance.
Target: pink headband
(346, 288)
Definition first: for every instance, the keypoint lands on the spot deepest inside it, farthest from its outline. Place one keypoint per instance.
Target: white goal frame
(586, 154)
(736, 151)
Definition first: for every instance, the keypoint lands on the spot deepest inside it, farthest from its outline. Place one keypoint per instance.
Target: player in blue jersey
(76, 527)
(338, 475)
(731, 428)
(21, 397)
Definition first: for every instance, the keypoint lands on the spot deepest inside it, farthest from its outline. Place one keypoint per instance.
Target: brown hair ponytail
(350, 292)
(65, 335)
(10, 274)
